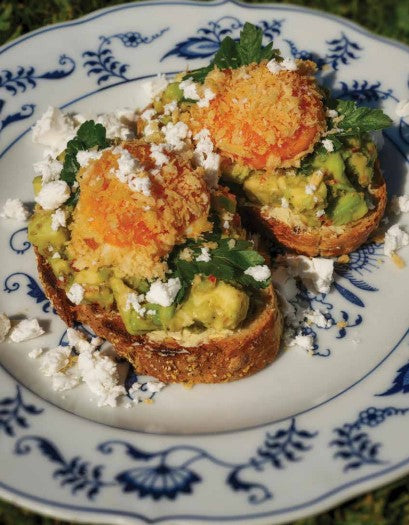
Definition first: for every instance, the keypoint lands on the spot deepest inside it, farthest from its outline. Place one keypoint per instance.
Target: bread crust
(245, 352)
(324, 241)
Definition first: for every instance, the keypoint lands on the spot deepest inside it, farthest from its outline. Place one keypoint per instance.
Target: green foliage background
(386, 506)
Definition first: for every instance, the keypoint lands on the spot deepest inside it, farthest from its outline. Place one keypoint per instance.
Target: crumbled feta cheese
(84, 156)
(206, 158)
(402, 108)
(115, 126)
(328, 145)
(134, 300)
(315, 273)
(319, 213)
(134, 390)
(154, 386)
(141, 185)
(54, 130)
(163, 293)
(155, 86)
(231, 243)
(169, 108)
(331, 113)
(189, 89)
(58, 218)
(25, 330)
(127, 164)
(151, 128)
(49, 169)
(55, 360)
(306, 342)
(310, 189)
(288, 64)
(204, 255)
(4, 326)
(100, 374)
(284, 202)
(158, 155)
(76, 293)
(53, 194)
(400, 204)
(207, 97)
(395, 238)
(14, 209)
(77, 340)
(35, 353)
(148, 114)
(259, 273)
(175, 135)
(318, 318)
(65, 381)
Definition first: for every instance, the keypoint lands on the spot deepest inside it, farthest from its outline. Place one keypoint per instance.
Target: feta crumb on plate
(55, 360)
(259, 273)
(115, 124)
(163, 293)
(25, 330)
(14, 209)
(53, 194)
(154, 386)
(315, 272)
(400, 204)
(395, 238)
(54, 129)
(189, 88)
(35, 353)
(306, 342)
(5, 326)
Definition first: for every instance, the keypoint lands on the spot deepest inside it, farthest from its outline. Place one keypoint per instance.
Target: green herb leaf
(232, 55)
(89, 135)
(226, 264)
(357, 120)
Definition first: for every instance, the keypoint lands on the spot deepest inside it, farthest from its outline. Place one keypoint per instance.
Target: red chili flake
(212, 278)
(91, 243)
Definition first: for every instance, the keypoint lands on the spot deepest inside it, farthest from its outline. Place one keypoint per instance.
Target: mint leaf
(89, 135)
(232, 55)
(357, 120)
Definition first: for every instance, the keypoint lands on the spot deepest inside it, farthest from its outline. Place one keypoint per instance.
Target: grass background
(386, 506)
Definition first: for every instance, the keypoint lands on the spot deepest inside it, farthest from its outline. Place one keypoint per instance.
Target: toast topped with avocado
(303, 165)
(133, 240)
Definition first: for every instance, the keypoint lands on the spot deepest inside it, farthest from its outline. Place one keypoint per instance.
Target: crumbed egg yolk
(132, 231)
(263, 119)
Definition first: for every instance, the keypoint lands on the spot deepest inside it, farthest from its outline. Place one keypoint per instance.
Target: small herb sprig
(229, 260)
(89, 135)
(232, 55)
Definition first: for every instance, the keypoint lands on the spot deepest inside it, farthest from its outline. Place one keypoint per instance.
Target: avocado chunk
(60, 267)
(361, 167)
(262, 187)
(101, 295)
(37, 184)
(349, 207)
(43, 236)
(333, 165)
(155, 317)
(215, 305)
(92, 277)
(236, 173)
(172, 92)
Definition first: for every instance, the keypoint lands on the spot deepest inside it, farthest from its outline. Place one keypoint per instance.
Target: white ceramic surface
(296, 438)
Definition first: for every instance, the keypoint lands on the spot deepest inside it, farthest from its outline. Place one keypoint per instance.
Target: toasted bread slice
(178, 358)
(326, 241)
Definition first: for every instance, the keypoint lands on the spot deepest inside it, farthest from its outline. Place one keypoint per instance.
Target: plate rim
(345, 490)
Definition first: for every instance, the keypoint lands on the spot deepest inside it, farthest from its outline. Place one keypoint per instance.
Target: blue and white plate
(299, 437)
